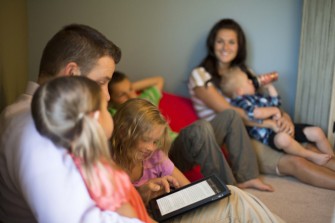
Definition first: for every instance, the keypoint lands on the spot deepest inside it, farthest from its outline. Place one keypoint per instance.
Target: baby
(264, 111)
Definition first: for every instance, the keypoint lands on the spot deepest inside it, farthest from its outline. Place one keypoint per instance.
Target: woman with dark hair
(226, 46)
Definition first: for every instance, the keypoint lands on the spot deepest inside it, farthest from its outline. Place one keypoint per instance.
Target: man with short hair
(38, 181)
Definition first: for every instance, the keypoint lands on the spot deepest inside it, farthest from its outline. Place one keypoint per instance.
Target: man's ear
(71, 69)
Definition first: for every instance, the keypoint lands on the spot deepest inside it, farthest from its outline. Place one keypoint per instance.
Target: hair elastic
(80, 116)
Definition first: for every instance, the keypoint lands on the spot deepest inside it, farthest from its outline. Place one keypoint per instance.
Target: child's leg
(315, 134)
(289, 145)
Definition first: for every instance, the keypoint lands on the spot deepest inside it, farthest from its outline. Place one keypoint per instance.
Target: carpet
(297, 202)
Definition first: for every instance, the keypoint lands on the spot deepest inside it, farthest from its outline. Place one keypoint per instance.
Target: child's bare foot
(326, 149)
(319, 158)
(256, 184)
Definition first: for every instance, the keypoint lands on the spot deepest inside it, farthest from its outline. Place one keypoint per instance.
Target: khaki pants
(268, 158)
(239, 207)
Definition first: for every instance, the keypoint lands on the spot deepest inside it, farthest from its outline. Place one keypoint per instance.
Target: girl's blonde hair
(63, 109)
(134, 119)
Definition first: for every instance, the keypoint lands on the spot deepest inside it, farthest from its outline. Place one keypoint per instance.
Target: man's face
(102, 73)
(105, 119)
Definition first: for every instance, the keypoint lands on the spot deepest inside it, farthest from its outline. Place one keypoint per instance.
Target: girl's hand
(164, 183)
(157, 186)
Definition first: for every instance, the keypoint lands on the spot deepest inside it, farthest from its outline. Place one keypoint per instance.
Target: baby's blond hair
(230, 81)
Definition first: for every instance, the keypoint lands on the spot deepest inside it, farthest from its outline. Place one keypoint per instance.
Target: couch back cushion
(177, 110)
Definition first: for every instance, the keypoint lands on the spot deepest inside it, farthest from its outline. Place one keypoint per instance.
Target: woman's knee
(229, 113)
(229, 118)
(200, 128)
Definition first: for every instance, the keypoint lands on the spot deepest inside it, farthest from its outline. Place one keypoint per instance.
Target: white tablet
(187, 198)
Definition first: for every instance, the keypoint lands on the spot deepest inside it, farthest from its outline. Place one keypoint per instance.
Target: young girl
(140, 145)
(68, 111)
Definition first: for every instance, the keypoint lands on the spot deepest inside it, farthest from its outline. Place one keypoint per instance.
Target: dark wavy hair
(210, 62)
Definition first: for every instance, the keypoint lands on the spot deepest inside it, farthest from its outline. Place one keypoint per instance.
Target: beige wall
(160, 37)
(13, 49)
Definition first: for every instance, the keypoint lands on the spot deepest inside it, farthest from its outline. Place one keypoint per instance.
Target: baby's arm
(257, 107)
(156, 81)
(266, 123)
(271, 90)
(267, 112)
(270, 124)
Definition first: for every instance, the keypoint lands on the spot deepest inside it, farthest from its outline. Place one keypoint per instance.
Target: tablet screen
(187, 198)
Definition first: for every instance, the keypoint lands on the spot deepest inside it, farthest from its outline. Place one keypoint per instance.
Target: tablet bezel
(224, 192)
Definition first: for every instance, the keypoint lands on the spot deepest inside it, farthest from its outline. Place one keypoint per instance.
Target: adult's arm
(52, 185)
(214, 100)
